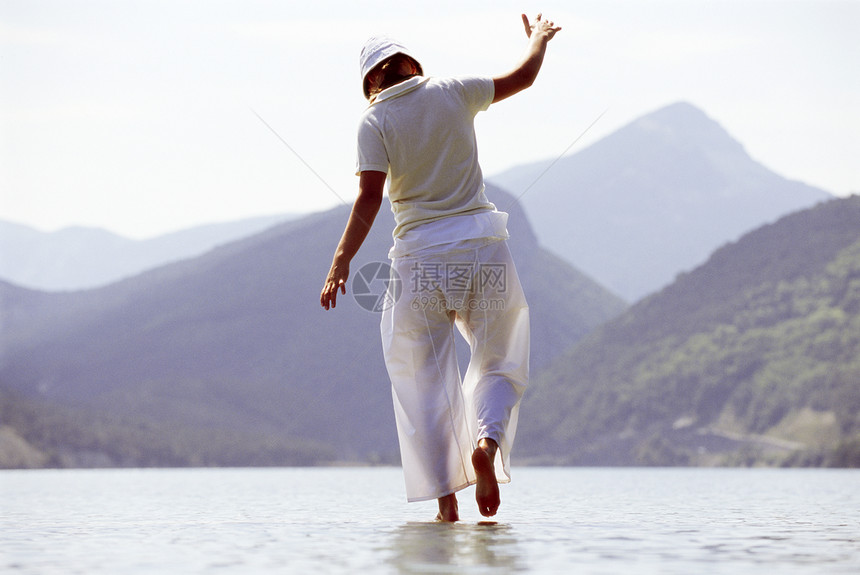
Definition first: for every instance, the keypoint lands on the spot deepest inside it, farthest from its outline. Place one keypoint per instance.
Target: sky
(146, 117)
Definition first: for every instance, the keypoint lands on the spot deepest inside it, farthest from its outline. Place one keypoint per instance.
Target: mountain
(632, 211)
(751, 358)
(653, 199)
(81, 258)
(228, 359)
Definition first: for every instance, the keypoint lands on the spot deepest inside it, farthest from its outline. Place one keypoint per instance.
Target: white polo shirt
(421, 133)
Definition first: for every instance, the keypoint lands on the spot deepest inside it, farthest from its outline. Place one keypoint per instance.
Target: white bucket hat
(375, 51)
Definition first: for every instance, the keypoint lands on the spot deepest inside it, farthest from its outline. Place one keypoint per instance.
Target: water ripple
(587, 521)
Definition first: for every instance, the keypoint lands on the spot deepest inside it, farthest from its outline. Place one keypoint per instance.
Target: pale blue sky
(138, 116)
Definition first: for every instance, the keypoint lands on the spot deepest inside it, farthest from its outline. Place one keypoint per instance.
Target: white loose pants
(440, 418)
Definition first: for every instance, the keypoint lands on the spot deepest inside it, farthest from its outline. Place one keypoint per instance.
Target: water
(348, 520)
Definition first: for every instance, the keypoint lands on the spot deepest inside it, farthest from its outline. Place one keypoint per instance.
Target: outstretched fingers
(540, 25)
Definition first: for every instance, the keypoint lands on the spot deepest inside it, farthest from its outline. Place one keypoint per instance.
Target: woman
(450, 251)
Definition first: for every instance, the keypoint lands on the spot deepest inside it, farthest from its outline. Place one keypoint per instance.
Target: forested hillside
(752, 358)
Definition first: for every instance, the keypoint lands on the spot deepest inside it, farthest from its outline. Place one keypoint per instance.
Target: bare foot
(487, 489)
(448, 509)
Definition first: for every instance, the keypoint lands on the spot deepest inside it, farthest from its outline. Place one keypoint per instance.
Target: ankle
(488, 445)
(448, 508)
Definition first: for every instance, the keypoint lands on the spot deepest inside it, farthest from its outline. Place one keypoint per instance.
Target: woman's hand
(540, 32)
(545, 27)
(336, 280)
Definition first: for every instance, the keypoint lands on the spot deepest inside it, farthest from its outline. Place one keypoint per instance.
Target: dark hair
(391, 74)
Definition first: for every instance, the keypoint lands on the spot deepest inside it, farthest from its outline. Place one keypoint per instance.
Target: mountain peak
(652, 199)
(680, 110)
(684, 124)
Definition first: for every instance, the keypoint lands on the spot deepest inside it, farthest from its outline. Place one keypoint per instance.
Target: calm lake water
(348, 520)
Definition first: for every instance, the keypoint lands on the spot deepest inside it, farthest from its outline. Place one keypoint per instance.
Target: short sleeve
(478, 92)
(372, 155)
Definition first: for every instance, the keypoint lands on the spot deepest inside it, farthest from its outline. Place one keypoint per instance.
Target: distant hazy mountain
(653, 199)
(79, 258)
(228, 359)
(752, 358)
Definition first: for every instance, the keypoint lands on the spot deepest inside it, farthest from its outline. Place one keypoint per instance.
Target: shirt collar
(399, 89)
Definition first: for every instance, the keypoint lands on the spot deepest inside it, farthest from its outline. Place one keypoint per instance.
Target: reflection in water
(346, 522)
(422, 547)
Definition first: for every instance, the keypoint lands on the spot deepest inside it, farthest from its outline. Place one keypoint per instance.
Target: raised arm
(523, 75)
(370, 189)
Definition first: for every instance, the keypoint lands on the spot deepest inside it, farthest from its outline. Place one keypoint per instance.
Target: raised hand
(540, 32)
(540, 26)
